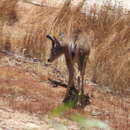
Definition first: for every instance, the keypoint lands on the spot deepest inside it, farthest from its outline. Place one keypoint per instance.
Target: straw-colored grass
(7, 16)
(111, 51)
(7, 11)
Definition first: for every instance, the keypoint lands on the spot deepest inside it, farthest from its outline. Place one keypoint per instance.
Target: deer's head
(56, 49)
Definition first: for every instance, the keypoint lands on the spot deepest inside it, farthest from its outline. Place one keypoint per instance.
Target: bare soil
(27, 96)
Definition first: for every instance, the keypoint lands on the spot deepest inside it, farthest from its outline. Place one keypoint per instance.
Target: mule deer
(76, 51)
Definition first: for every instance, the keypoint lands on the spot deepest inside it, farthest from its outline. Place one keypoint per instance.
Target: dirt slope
(26, 97)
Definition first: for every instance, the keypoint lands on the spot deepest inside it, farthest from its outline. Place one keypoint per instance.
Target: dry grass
(69, 18)
(109, 60)
(7, 16)
(7, 11)
(111, 66)
(35, 36)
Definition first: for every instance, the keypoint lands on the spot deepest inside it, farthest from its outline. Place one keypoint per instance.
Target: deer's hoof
(83, 101)
(71, 96)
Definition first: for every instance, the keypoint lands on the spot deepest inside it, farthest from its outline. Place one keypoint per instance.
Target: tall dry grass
(7, 16)
(69, 18)
(39, 27)
(7, 11)
(109, 60)
(110, 65)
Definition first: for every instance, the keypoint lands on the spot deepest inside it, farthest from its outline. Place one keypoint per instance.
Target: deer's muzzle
(49, 60)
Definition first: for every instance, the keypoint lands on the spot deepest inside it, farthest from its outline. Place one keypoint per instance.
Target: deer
(76, 51)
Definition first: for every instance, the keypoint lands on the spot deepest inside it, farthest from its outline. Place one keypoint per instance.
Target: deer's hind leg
(82, 67)
(82, 98)
(71, 90)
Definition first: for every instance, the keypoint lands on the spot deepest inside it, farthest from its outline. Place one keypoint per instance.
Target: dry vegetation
(23, 25)
(7, 16)
(111, 63)
(7, 11)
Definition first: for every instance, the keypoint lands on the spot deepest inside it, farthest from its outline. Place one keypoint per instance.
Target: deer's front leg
(82, 76)
(70, 82)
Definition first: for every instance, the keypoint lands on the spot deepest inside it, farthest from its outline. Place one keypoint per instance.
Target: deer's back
(79, 47)
(83, 42)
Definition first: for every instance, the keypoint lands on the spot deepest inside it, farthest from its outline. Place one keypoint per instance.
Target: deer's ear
(49, 37)
(56, 41)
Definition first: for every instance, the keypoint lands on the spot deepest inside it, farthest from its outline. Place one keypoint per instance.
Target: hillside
(27, 95)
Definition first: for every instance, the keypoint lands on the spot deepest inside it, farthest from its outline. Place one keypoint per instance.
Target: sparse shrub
(82, 121)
